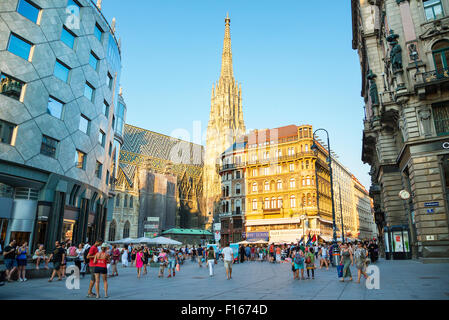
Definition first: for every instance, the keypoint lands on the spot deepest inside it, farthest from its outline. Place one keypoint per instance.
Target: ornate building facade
(60, 66)
(365, 225)
(225, 125)
(404, 49)
(159, 186)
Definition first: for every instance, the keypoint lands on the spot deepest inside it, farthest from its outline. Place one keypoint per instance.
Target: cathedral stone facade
(225, 125)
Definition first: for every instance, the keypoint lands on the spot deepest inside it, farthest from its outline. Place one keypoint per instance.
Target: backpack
(298, 259)
(308, 260)
(72, 251)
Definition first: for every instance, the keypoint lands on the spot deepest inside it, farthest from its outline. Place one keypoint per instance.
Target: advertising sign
(397, 241)
(151, 224)
(285, 236)
(217, 235)
(257, 236)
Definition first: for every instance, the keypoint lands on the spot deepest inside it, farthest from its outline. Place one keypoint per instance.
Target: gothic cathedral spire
(225, 123)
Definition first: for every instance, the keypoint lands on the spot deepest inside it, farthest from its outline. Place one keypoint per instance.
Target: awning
(325, 238)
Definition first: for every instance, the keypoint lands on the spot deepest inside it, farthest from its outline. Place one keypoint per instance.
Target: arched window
(112, 228)
(292, 183)
(306, 148)
(267, 203)
(125, 201)
(279, 184)
(280, 202)
(292, 202)
(440, 51)
(126, 230)
(267, 186)
(131, 200)
(254, 187)
(117, 200)
(273, 203)
(308, 181)
(254, 204)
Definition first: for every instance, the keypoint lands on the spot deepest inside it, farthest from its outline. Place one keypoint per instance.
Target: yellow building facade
(283, 202)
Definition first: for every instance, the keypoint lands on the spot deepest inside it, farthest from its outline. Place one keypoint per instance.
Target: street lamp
(336, 251)
(341, 215)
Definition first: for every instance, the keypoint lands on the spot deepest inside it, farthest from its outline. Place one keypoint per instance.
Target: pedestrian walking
(211, 260)
(9, 254)
(93, 250)
(228, 258)
(139, 261)
(133, 256)
(64, 261)
(310, 263)
(114, 260)
(298, 264)
(146, 258)
(324, 252)
(163, 262)
(57, 257)
(101, 260)
(360, 256)
(125, 254)
(346, 260)
(278, 254)
(172, 261)
(373, 249)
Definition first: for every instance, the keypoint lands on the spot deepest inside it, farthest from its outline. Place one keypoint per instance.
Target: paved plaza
(252, 281)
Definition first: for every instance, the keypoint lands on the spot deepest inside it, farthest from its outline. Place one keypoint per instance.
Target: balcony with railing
(434, 76)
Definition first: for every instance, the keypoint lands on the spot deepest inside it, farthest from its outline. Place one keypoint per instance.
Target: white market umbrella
(244, 242)
(124, 241)
(143, 240)
(164, 240)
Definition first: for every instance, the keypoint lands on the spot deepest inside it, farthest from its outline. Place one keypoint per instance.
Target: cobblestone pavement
(251, 280)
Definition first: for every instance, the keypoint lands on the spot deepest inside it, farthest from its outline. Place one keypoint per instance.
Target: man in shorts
(228, 258)
(93, 250)
(9, 253)
(57, 256)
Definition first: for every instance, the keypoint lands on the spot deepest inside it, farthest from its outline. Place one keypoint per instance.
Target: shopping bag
(340, 270)
(178, 267)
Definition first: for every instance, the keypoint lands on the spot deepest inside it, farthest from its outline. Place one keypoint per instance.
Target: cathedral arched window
(131, 200)
(126, 230)
(117, 200)
(125, 201)
(112, 230)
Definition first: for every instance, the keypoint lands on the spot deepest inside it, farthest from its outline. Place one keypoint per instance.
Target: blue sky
(293, 58)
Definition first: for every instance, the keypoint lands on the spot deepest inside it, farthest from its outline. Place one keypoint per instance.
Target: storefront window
(67, 229)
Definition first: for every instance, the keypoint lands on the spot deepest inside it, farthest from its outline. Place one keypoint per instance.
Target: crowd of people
(100, 259)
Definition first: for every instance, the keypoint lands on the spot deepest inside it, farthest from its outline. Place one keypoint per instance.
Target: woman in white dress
(124, 257)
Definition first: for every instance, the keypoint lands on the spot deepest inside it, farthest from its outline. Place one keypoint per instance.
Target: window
(273, 203)
(68, 37)
(292, 183)
(110, 81)
(308, 181)
(48, 146)
(131, 200)
(254, 172)
(10, 86)
(6, 132)
(84, 124)
(61, 71)
(433, 9)
(440, 51)
(126, 230)
(110, 148)
(254, 204)
(93, 60)
(106, 109)
(280, 202)
(266, 171)
(279, 169)
(98, 32)
(28, 10)
(117, 201)
(237, 174)
(102, 138)
(19, 46)
(267, 203)
(112, 228)
(267, 186)
(113, 122)
(441, 118)
(292, 202)
(89, 91)
(125, 201)
(98, 170)
(80, 160)
(292, 167)
(254, 187)
(237, 189)
(279, 185)
(54, 107)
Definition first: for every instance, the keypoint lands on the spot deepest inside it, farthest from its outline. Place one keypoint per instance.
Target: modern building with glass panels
(61, 120)
(403, 46)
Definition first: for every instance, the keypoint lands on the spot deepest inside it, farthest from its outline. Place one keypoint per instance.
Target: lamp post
(336, 250)
(341, 215)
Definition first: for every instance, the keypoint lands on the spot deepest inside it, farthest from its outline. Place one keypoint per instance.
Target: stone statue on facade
(424, 117)
(373, 87)
(396, 52)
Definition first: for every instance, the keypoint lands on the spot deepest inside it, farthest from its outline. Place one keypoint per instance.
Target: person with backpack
(310, 263)
(298, 264)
